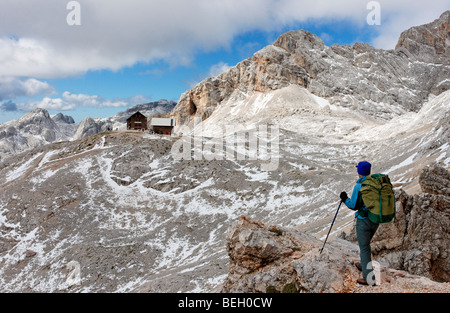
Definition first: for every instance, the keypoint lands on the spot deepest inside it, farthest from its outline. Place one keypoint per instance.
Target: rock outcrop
(61, 118)
(413, 251)
(90, 126)
(418, 241)
(429, 42)
(271, 259)
(358, 77)
(275, 259)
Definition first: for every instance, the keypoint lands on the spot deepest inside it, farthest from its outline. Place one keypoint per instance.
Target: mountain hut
(163, 126)
(137, 121)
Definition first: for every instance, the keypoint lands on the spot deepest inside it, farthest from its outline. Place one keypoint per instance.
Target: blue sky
(129, 52)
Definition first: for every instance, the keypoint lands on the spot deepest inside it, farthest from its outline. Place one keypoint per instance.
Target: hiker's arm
(351, 202)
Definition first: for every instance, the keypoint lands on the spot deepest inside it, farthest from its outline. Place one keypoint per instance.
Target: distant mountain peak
(38, 112)
(63, 119)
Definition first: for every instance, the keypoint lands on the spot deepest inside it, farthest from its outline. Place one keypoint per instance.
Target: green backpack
(378, 196)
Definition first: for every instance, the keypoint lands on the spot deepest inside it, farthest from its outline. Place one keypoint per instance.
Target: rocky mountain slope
(380, 83)
(134, 219)
(118, 212)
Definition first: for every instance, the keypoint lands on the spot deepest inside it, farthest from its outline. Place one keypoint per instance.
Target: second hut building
(163, 126)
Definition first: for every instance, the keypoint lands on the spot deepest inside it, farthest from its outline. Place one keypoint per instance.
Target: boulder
(274, 259)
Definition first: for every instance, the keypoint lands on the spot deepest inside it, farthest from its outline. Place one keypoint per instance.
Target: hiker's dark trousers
(365, 230)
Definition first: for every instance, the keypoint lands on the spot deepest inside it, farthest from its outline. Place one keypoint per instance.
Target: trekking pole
(331, 227)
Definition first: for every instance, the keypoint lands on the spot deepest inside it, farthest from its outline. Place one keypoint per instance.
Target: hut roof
(137, 114)
(163, 122)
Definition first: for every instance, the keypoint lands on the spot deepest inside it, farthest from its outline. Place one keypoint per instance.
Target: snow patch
(22, 169)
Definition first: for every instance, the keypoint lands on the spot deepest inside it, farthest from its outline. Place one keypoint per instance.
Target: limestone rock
(358, 77)
(269, 69)
(273, 259)
(89, 127)
(429, 42)
(61, 118)
(34, 129)
(30, 253)
(435, 180)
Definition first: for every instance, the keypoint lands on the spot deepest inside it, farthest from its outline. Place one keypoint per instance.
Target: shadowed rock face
(61, 118)
(430, 42)
(353, 77)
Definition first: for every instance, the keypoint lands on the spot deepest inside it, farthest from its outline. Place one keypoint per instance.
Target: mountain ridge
(131, 218)
(356, 77)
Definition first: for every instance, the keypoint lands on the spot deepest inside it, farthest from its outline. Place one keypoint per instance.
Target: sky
(98, 57)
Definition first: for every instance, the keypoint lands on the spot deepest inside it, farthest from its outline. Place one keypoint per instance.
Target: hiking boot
(364, 282)
(358, 266)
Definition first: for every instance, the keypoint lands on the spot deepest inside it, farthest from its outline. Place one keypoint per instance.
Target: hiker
(365, 229)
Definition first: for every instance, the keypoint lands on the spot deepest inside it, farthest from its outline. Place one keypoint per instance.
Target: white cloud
(70, 101)
(218, 69)
(35, 40)
(46, 103)
(13, 88)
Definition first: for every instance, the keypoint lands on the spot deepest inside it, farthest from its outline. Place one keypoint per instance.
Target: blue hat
(364, 168)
